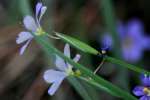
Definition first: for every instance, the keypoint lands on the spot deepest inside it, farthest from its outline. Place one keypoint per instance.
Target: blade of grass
(79, 88)
(126, 65)
(77, 44)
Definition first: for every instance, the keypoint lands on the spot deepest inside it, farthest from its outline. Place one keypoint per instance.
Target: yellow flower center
(69, 71)
(39, 32)
(77, 73)
(147, 91)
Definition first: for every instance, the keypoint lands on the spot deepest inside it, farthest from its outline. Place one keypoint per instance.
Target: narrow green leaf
(105, 85)
(92, 82)
(77, 44)
(79, 88)
(126, 65)
(92, 91)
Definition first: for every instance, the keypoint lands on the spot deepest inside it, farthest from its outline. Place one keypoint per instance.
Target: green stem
(126, 65)
(100, 65)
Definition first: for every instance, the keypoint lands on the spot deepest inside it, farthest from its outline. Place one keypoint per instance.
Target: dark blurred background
(21, 77)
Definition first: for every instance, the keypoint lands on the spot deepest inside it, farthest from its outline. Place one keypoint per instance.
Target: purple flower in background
(32, 25)
(143, 91)
(64, 69)
(132, 40)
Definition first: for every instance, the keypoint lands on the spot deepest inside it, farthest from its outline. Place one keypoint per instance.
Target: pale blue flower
(64, 69)
(32, 25)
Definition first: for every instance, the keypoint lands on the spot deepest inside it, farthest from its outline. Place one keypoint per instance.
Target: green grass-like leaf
(77, 44)
(126, 65)
(79, 88)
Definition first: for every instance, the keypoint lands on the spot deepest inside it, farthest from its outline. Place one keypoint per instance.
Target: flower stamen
(77, 73)
(39, 32)
(147, 91)
(69, 71)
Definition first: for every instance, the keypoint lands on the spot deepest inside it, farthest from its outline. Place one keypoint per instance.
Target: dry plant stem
(100, 65)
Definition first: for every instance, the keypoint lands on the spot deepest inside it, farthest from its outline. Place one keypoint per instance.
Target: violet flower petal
(54, 87)
(67, 53)
(146, 42)
(132, 54)
(30, 23)
(135, 27)
(51, 76)
(43, 10)
(54, 77)
(145, 80)
(23, 48)
(38, 8)
(60, 63)
(138, 91)
(121, 29)
(23, 36)
(107, 41)
(77, 58)
(145, 98)
(67, 50)
(135, 31)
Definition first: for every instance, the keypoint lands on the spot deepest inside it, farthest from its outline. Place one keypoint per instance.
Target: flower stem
(100, 65)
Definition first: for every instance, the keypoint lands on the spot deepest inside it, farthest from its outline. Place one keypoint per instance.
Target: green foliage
(126, 65)
(79, 88)
(77, 44)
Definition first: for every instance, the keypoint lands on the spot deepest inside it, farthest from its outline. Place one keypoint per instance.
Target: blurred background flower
(132, 38)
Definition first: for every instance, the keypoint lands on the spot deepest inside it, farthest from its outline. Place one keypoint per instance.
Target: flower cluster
(132, 40)
(33, 26)
(64, 69)
(143, 90)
